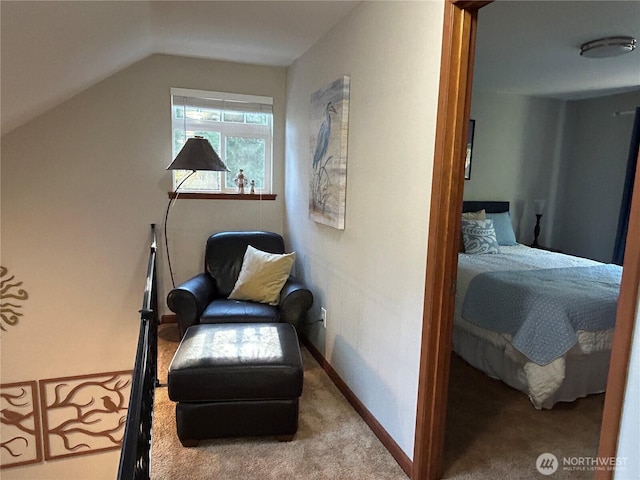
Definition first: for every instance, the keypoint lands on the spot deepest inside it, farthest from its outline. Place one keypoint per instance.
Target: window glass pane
(179, 139)
(200, 181)
(257, 118)
(213, 137)
(237, 117)
(203, 114)
(241, 138)
(246, 153)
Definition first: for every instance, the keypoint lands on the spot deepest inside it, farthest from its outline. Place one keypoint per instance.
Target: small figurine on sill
(252, 191)
(240, 180)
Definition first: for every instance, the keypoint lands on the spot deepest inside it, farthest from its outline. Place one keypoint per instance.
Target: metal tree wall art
(84, 414)
(329, 132)
(11, 296)
(20, 443)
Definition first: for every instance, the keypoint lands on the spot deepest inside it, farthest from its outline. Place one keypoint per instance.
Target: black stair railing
(135, 456)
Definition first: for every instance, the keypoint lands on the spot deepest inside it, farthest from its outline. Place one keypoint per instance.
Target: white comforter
(542, 380)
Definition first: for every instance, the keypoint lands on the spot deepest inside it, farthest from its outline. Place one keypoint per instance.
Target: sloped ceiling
(52, 50)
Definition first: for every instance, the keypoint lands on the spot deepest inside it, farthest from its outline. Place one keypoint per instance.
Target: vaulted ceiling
(51, 50)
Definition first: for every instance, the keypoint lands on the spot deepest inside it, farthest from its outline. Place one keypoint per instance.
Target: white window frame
(226, 102)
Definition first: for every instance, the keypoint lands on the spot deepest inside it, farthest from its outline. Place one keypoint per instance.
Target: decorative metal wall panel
(11, 298)
(21, 441)
(84, 414)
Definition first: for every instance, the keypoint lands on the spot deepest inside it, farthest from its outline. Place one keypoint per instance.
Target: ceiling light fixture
(608, 47)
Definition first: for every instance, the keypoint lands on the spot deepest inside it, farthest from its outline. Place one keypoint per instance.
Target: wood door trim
(622, 337)
(454, 104)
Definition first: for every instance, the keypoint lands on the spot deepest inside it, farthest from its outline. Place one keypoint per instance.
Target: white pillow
(262, 276)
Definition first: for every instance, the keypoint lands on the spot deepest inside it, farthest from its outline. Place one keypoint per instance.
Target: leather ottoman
(236, 380)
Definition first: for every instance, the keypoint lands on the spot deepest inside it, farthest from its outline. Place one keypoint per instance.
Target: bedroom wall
(570, 153)
(515, 156)
(80, 186)
(370, 276)
(595, 152)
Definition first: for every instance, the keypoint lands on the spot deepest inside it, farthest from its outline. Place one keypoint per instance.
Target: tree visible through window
(239, 127)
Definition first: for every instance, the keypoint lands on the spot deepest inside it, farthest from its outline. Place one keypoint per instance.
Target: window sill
(222, 196)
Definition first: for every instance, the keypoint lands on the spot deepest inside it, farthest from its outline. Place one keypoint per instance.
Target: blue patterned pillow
(479, 236)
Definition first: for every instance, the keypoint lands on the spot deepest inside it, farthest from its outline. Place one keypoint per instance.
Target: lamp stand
(166, 216)
(536, 230)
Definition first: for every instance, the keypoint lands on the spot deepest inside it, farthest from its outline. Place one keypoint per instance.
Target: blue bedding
(542, 309)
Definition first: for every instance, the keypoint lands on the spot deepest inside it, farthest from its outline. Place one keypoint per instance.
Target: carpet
(493, 431)
(332, 442)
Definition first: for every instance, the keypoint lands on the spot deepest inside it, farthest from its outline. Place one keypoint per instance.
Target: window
(239, 128)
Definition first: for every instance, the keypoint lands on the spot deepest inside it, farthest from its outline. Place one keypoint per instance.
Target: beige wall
(82, 182)
(370, 276)
(80, 186)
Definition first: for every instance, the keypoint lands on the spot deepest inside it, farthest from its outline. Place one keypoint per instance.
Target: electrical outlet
(323, 315)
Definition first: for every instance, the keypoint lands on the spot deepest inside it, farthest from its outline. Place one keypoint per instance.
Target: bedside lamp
(538, 207)
(196, 154)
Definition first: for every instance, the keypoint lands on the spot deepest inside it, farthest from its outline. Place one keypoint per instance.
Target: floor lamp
(196, 154)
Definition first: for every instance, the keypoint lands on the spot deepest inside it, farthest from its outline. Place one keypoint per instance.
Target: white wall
(370, 276)
(595, 153)
(80, 186)
(515, 156)
(629, 437)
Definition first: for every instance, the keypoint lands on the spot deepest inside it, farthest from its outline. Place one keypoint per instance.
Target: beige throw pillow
(262, 276)
(479, 215)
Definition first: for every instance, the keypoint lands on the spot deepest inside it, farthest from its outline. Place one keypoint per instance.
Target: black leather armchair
(203, 298)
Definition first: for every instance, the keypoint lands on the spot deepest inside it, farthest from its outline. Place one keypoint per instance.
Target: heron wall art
(329, 133)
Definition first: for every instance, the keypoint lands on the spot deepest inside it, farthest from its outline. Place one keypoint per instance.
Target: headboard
(489, 206)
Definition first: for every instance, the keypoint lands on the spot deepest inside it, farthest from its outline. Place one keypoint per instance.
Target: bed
(540, 321)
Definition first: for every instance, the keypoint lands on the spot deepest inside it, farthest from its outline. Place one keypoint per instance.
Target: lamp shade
(198, 154)
(538, 206)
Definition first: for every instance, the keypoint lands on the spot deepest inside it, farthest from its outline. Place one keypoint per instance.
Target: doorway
(458, 47)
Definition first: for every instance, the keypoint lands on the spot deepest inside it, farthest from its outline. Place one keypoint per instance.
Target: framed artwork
(329, 132)
(467, 159)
